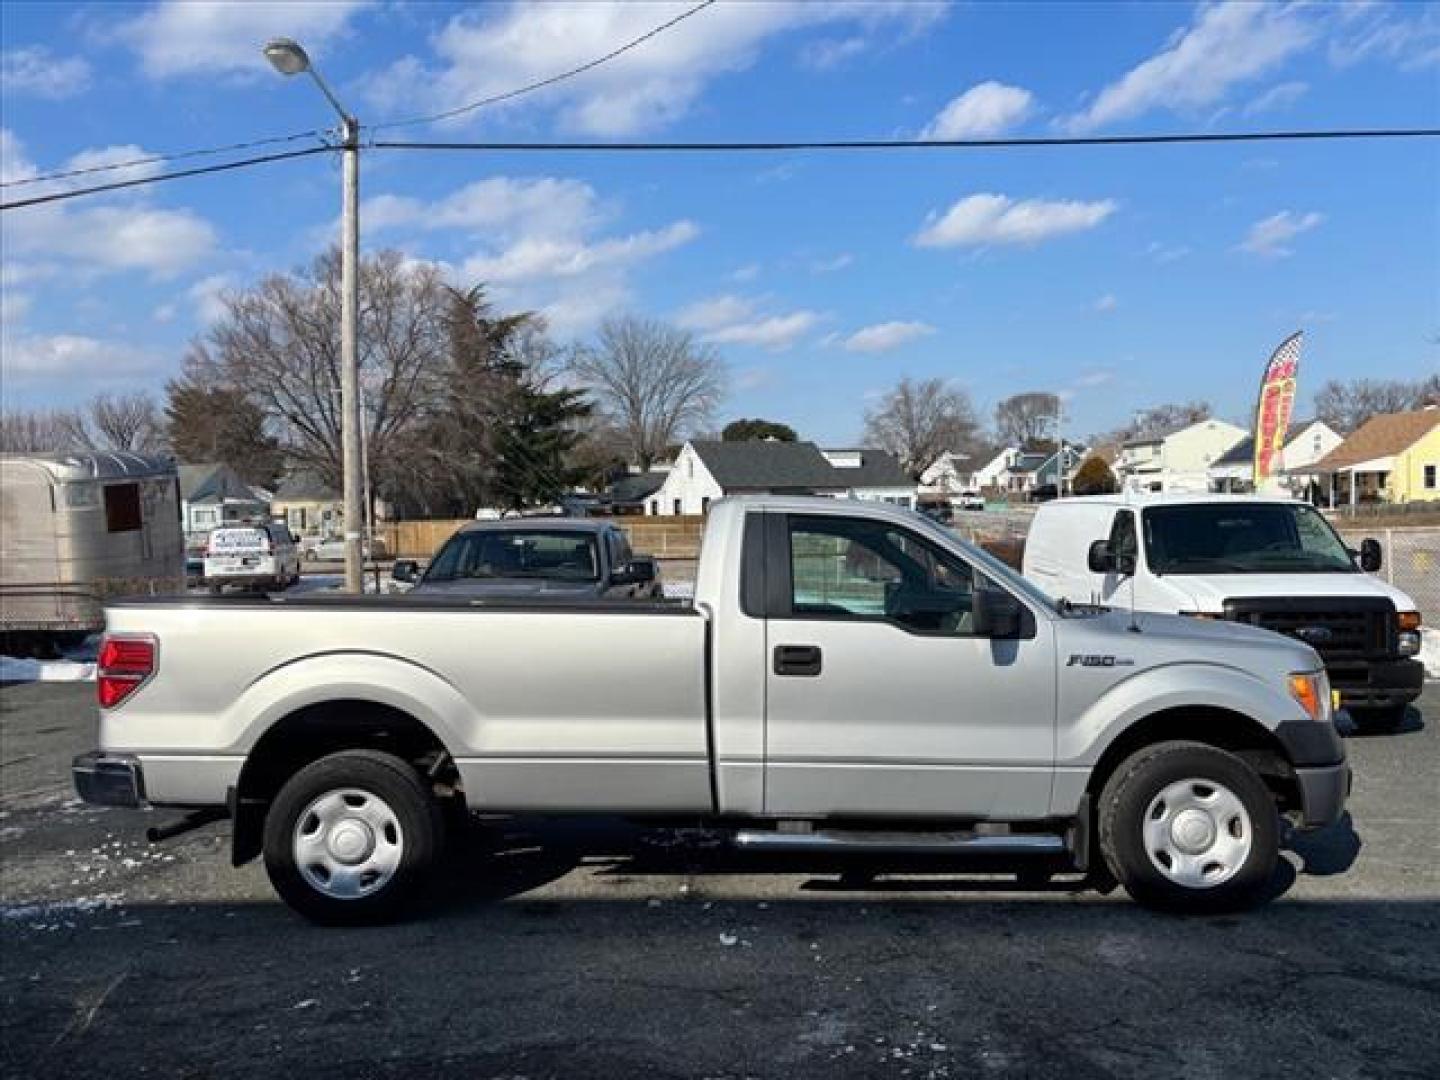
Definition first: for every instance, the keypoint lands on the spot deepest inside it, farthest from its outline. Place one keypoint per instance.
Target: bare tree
(1026, 419)
(918, 421)
(125, 422)
(279, 344)
(39, 431)
(1347, 405)
(652, 380)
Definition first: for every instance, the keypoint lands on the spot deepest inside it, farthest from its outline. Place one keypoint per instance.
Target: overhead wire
(589, 65)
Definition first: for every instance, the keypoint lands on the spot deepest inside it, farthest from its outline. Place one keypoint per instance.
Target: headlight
(1407, 638)
(1312, 690)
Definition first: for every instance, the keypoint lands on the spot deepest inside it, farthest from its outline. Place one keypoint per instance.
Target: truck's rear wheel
(1184, 826)
(351, 838)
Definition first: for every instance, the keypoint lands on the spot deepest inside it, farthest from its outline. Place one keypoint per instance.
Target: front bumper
(1377, 684)
(107, 780)
(1323, 791)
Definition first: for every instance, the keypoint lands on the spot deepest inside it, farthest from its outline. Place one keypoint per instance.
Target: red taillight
(125, 663)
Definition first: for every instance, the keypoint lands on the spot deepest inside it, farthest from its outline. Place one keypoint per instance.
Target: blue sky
(1120, 277)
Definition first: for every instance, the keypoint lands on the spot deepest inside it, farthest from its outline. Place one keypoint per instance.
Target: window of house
(848, 568)
(677, 508)
(122, 508)
(1430, 478)
(705, 504)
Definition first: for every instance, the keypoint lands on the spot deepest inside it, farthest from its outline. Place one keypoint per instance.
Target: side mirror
(1099, 558)
(636, 572)
(406, 570)
(996, 614)
(1371, 556)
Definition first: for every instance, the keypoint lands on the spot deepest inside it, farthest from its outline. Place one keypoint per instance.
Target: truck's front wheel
(351, 837)
(1185, 826)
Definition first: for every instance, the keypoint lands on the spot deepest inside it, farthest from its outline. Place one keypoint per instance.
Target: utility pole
(289, 58)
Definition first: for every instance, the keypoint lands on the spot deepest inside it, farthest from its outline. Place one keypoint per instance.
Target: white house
(1176, 460)
(706, 471)
(212, 495)
(1306, 443)
(949, 474)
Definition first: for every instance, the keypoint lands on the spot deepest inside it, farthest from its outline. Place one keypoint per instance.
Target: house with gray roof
(212, 494)
(705, 471)
(1306, 442)
(309, 505)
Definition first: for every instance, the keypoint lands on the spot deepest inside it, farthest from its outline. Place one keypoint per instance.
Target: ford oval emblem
(1314, 635)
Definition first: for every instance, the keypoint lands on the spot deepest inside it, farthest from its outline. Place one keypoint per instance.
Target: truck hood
(539, 588)
(1180, 638)
(1208, 592)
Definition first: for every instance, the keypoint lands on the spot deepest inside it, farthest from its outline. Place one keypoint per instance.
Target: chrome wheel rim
(1198, 833)
(348, 843)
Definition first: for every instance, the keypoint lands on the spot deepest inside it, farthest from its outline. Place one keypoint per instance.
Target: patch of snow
(1430, 651)
(19, 669)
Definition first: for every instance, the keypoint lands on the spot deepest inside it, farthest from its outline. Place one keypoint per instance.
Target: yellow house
(1394, 457)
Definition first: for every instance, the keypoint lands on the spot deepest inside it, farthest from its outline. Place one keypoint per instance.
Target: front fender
(1203, 684)
(352, 676)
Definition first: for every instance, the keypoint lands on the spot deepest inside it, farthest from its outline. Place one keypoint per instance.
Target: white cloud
(1166, 253)
(38, 72)
(13, 306)
(998, 219)
(829, 53)
(176, 37)
(537, 258)
(829, 266)
(1106, 303)
(984, 110)
(715, 312)
(1088, 380)
(882, 337)
(1270, 236)
(100, 238)
(774, 332)
(748, 272)
(1226, 45)
(490, 49)
(206, 295)
(1277, 97)
(1376, 32)
(55, 356)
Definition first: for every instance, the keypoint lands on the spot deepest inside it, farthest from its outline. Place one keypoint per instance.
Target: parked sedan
(533, 557)
(332, 549)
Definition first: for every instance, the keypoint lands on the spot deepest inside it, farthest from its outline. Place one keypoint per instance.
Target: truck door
(880, 699)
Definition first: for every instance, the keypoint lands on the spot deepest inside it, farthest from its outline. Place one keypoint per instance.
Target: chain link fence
(1411, 564)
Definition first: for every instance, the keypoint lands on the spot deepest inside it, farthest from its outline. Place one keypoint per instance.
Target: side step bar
(901, 843)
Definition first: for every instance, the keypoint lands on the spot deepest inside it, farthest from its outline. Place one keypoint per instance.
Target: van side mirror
(406, 570)
(996, 614)
(1371, 555)
(636, 572)
(1102, 560)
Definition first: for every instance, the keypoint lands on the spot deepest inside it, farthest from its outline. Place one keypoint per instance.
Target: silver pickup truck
(850, 677)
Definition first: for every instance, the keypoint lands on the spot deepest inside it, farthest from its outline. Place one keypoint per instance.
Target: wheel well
(1220, 728)
(309, 734)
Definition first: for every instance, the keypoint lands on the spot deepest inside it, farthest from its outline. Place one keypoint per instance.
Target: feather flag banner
(1277, 402)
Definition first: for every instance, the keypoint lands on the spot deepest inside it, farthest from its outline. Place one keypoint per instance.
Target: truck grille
(1337, 627)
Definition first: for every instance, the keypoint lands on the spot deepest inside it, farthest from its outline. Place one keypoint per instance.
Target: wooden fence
(663, 537)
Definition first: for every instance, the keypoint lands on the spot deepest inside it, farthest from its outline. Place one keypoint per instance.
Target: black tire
(1379, 721)
(421, 829)
(1138, 782)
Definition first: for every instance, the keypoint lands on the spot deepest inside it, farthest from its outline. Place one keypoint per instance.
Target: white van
(1274, 563)
(253, 557)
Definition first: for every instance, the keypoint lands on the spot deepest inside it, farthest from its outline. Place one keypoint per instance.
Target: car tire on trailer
(1382, 721)
(351, 838)
(1187, 827)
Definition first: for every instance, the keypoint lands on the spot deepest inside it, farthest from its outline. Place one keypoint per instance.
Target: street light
(289, 58)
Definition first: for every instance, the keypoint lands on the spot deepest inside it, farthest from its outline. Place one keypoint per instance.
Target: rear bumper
(1378, 684)
(1323, 791)
(107, 780)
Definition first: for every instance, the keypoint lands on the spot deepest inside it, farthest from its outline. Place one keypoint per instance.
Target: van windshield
(554, 554)
(1242, 538)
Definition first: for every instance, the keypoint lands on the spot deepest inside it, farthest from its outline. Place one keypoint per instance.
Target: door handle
(801, 660)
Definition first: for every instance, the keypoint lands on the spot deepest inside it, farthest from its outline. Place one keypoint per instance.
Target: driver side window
(848, 568)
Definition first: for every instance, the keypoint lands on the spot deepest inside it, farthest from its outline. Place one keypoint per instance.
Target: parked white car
(1272, 563)
(252, 557)
(332, 549)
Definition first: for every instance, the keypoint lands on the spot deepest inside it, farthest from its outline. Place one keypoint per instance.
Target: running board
(901, 843)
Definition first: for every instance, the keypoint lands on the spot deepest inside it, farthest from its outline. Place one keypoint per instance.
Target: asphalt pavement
(597, 949)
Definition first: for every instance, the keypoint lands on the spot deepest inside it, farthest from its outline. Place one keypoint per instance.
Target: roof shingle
(1380, 436)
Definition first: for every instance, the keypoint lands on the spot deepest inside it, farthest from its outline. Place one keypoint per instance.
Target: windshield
(553, 554)
(1242, 538)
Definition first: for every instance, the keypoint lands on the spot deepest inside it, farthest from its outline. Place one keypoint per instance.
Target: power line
(154, 159)
(60, 196)
(590, 65)
(918, 144)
